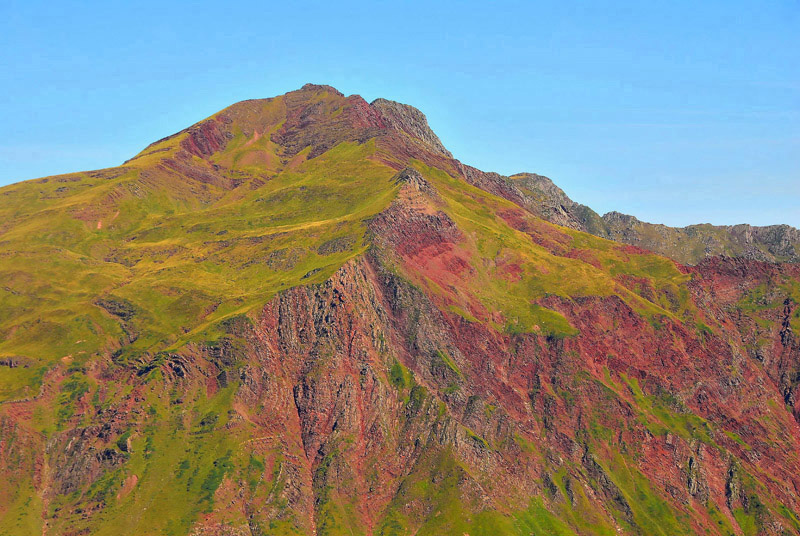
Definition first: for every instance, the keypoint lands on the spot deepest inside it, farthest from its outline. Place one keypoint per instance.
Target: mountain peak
(409, 120)
(316, 116)
(321, 87)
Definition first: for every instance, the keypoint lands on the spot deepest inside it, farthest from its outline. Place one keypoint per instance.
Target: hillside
(302, 315)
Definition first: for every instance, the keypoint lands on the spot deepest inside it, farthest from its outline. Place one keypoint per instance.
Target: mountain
(302, 315)
(688, 245)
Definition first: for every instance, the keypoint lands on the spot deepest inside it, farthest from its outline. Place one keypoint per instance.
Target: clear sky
(676, 112)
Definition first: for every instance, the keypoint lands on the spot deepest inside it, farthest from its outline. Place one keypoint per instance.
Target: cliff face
(302, 316)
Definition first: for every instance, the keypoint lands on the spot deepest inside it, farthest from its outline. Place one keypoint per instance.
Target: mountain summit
(302, 315)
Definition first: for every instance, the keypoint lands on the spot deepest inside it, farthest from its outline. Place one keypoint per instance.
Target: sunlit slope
(490, 261)
(144, 257)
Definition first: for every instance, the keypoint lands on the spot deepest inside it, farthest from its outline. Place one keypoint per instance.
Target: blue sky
(677, 112)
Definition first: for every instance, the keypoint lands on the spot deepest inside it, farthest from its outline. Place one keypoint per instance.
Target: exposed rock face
(389, 349)
(409, 120)
(548, 201)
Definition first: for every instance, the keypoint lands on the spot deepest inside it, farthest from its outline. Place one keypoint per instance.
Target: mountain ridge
(690, 244)
(773, 243)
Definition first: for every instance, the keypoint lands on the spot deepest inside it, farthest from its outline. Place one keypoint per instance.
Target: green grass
(664, 413)
(182, 264)
(442, 359)
(651, 512)
(22, 514)
(178, 472)
(539, 521)
(450, 513)
(400, 376)
(770, 297)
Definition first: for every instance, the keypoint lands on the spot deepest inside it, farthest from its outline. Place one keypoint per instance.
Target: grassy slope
(567, 263)
(169, 261)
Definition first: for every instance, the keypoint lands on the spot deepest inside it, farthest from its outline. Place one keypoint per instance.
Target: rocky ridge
(689, 245)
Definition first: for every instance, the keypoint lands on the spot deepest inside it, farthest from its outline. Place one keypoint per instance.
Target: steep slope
(303, 316)
(688, 245)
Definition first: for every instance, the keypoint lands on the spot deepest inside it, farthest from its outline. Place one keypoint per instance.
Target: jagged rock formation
(303, 316)
(409, 120)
